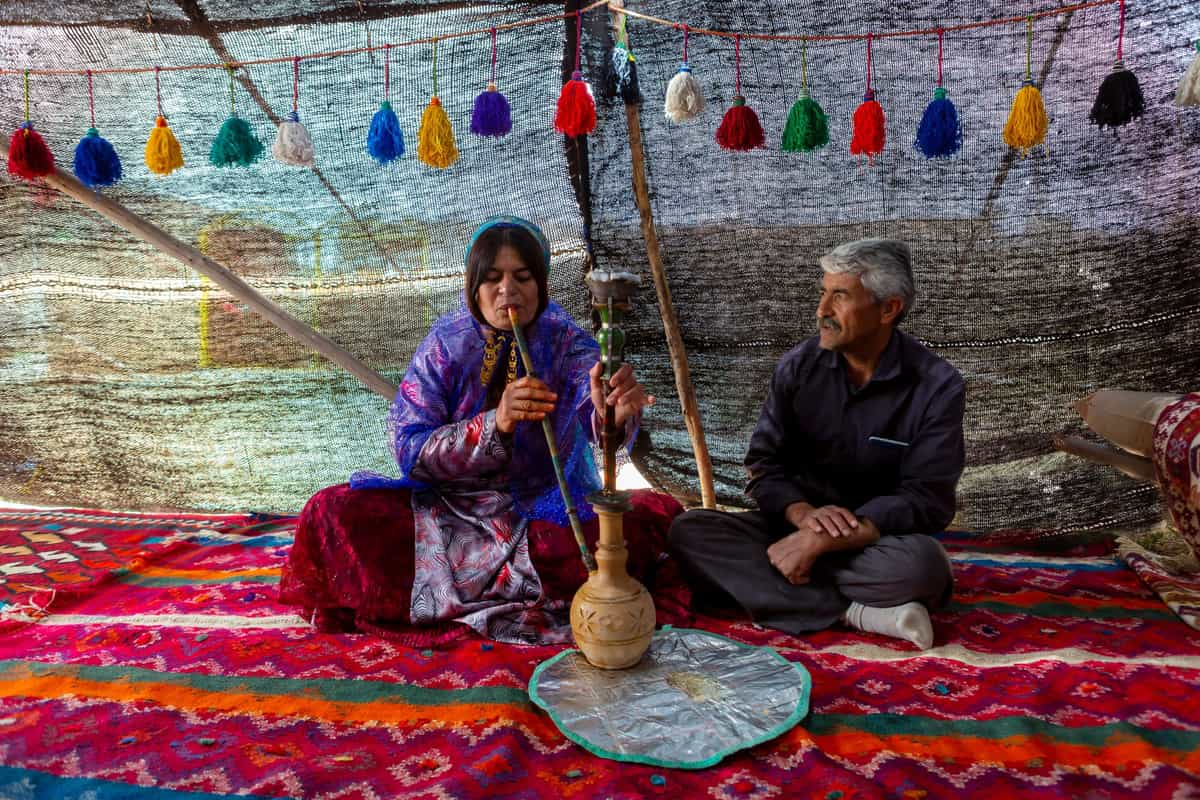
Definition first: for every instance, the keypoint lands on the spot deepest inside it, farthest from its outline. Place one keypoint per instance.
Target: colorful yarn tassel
(385, 142)
(739, 128)
(1188, 93)
(870, 131)
(163, 153)
(684, 98)
(807, 126)
(28, 155)
(1119, 100)
(235, 145)
(621, 78)
(435, 139)
(869, 128)
(96, 162)
(492, 115)
(939, 135)
(293, 145)
(1027, 122)
(576, 111)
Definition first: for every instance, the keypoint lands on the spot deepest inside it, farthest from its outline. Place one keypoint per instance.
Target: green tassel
(807, 127)
(236, 145)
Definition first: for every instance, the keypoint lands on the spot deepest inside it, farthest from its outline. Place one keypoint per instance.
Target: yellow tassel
(1027, 123)
(435, 140)
(163, 154)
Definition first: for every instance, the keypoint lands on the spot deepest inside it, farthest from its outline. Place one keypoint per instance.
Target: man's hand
(833, 520)
(524, 400)
(795, 554)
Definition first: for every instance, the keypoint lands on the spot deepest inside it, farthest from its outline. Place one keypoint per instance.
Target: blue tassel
(940, 135)
(491, 115)
(96, 162)
(385, 142)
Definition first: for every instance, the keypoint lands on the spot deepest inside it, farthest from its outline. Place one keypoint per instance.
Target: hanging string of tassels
(491, 115)
(740, 128)
(940, 134)
(292, 144)
(684, 99)
(435, 138)
(621, 69)
(385, 142)
(1188, 93)
(1027, 122)
(1119, 100)
(28, 156)
(807, 126)
(163, 153)
(235, 145)
(96, 162)
(576, 111)
(869, 123)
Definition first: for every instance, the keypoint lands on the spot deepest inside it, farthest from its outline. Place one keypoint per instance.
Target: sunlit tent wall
(129, 381)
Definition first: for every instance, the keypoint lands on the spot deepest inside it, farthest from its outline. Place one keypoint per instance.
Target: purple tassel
(491, 115)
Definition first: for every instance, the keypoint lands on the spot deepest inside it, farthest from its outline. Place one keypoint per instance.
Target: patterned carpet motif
(177, 674)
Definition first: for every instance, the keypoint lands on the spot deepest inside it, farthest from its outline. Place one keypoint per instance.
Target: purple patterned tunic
(474, 491)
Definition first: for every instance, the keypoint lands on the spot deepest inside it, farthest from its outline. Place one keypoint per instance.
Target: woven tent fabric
(1041, 278)
(131, 382)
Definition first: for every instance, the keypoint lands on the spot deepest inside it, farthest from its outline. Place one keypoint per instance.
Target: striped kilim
(180, 675)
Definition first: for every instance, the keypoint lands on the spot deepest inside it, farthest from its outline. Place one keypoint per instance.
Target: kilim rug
(177, 674)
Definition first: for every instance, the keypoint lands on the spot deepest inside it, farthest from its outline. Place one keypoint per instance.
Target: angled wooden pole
(679, 359)
(219, 274)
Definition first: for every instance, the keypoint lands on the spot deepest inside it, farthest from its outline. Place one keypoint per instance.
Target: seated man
(854, 461)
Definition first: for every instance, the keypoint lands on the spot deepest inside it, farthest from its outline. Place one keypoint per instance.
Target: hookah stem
(611, 362)
(588, 560)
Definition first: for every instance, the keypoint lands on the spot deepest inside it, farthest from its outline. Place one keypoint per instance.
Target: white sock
(909, 622)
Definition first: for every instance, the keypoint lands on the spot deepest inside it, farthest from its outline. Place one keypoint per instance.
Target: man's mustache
(830, 323)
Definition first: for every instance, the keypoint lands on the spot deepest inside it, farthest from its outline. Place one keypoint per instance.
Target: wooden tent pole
(148, 232)
(679, 360)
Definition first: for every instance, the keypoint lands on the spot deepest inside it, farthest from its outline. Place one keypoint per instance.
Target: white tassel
(293, 145)
(1189, 87)
(684, 99)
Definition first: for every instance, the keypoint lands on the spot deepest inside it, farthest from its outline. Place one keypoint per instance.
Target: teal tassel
(236, 145)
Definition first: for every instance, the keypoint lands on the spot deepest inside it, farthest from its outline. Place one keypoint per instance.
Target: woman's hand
(524, 400)
(625, 393)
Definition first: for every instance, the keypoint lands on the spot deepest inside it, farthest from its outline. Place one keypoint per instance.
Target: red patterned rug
(169, 670)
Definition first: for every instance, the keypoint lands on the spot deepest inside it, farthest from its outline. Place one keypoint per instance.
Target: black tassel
(620, 78)
(1119, 100)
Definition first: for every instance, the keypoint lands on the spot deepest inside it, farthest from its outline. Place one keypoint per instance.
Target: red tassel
(576, 112)
(740, 129)
(868, 128)
(28, 155)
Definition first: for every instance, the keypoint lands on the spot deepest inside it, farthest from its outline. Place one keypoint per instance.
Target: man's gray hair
(883, 265)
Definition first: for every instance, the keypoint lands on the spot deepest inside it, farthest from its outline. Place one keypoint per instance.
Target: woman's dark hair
(483, 256)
